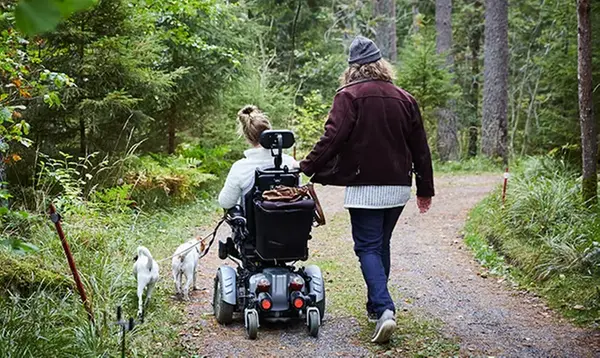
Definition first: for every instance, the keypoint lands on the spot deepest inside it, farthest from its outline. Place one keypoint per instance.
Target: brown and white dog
(184, 263)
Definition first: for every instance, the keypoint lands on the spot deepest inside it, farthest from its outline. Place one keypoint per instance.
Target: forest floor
(447, 304)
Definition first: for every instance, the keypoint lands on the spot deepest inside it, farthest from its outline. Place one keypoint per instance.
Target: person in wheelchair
(253, 122)
(271, 218)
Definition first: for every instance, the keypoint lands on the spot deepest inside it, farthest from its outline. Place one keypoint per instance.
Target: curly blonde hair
(378, 70)
(252, 123)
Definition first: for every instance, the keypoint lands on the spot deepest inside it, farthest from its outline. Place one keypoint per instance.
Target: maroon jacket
(374, 136)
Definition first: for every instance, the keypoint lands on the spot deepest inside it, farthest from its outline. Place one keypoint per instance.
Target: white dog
(185, 262)
(145, 270)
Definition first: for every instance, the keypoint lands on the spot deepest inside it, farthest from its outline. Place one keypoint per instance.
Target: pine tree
(495, 85)
(384, 12)
(447, 136)
(586, 114)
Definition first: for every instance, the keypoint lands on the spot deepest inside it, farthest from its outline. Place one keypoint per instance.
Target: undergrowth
(545, 237)
(42, 316)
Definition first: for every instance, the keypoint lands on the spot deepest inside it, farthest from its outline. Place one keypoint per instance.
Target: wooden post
(504, 186)
(55, 217)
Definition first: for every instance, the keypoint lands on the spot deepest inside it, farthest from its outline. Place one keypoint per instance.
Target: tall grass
(43, 319)
(40, 313)
(546, 231)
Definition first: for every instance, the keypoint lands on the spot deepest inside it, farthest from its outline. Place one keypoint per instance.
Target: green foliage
(157, 178)
(423, 74)
(546, 231)
(36, 16)
(126, 80)
(310, 120)
(215, 160)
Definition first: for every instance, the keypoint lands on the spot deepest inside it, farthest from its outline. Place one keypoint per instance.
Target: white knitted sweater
(241, 175)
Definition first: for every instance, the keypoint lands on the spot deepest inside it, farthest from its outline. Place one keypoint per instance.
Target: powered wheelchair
(268, 238)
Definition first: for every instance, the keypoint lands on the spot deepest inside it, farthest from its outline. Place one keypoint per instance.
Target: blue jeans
(372, 230)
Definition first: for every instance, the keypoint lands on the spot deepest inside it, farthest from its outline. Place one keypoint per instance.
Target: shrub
(310, 120)
(159, 178)
(547, 233)
(215, 160)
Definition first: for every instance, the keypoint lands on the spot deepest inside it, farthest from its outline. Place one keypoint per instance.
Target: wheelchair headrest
(270, 139)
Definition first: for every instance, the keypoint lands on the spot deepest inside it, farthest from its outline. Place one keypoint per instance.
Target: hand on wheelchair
(235, 216)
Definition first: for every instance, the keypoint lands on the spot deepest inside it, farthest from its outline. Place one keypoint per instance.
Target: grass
(346, 296)
(545, 238)
(42, 316)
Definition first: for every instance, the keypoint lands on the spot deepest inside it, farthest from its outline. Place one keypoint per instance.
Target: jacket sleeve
(231, 192)
(338, 127)
(421, 155)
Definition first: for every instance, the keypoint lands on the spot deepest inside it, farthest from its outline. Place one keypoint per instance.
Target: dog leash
(205, 252)
(214, 236)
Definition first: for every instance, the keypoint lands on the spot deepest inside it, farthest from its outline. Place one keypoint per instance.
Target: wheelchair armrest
(235, 216)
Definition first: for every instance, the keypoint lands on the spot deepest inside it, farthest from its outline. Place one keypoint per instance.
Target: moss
(24, 274)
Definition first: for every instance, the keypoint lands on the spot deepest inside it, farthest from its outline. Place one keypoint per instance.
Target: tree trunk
(293, 31)
(495, 80)
(475, 44)
(2, 171)
(81, 51)
(447, 132)
(82, 138)
(586, 117)
(443, 27)
(171, 130)
(384, 12)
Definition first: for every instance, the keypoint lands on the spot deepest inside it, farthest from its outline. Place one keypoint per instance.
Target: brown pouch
(285, 193)
(293, 194)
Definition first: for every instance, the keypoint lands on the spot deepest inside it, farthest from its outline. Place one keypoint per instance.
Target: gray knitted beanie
(363, 51)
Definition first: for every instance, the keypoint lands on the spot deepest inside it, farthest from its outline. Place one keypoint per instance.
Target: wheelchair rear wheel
(222, 310)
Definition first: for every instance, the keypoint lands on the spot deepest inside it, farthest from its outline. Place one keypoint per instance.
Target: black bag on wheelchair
(283, 229)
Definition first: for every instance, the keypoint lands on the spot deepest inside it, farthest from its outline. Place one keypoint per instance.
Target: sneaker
(372, 317)
(386, 325)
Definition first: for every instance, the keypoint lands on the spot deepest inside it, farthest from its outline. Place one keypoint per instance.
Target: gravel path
(437, 277)
(437, 274)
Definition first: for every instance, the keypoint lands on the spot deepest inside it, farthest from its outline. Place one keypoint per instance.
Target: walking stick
(55, 217)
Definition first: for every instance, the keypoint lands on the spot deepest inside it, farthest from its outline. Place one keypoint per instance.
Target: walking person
(374, 142)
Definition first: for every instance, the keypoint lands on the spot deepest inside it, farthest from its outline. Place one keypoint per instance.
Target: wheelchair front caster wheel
(314, 322)
(252, 324)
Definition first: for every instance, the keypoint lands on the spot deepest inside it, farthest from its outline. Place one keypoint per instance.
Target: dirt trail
(437, 277)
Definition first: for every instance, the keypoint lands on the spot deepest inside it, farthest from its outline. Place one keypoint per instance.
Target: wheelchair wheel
(222, 310)
(252, 324)
(313, 323)
(321, 306)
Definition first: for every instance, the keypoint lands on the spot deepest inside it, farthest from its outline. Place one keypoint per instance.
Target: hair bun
(252, 123)
(248, 109)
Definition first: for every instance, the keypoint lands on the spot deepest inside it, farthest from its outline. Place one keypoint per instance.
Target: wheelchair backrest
(279, 232)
